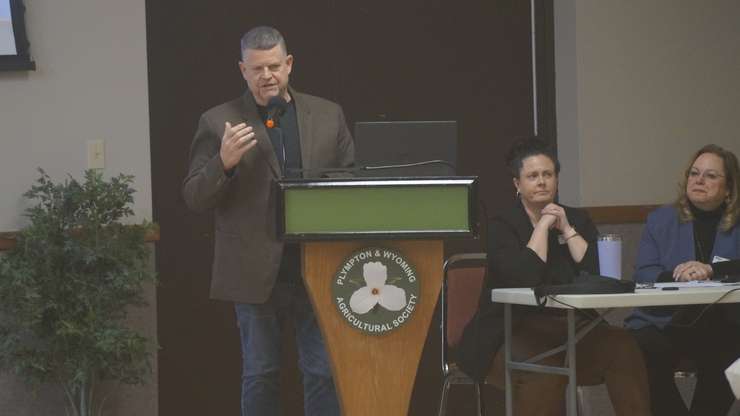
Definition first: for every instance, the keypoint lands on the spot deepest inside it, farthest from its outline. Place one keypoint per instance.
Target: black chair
(464, 275)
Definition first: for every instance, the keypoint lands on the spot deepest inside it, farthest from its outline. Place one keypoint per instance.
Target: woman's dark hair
(526, 147)
(732, 182)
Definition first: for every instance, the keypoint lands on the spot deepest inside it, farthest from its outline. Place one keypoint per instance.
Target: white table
(685, 295)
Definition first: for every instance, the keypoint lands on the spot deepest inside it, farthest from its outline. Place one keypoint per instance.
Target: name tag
(718, 259)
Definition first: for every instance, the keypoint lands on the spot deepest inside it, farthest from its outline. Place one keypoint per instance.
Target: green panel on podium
(378, 208)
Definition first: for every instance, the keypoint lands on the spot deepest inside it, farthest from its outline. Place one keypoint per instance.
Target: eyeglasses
(709, 175)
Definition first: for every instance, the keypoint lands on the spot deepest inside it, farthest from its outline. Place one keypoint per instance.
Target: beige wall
(91, 83)
(641, 85)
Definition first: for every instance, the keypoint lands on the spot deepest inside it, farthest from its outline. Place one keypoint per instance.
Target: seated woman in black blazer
(539, 242)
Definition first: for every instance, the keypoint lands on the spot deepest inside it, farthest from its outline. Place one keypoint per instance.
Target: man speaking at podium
(240, 149)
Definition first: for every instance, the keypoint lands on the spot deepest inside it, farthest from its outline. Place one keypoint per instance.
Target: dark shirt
(705, 230)
(706, 224)
(285, 140)
(286, 143)
(513, 264)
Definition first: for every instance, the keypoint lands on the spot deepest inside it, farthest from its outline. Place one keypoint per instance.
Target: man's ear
(289, 63)
(243, 69)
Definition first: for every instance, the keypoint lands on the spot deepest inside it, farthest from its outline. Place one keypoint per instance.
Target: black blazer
(512, 264)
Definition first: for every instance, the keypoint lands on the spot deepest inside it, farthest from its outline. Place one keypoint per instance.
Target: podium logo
(376, 290)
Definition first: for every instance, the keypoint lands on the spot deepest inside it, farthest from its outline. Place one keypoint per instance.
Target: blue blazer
(666, 242)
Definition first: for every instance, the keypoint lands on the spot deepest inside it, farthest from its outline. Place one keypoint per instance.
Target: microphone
(276, 107)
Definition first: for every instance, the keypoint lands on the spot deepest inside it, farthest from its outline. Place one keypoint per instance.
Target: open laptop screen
(382, 143)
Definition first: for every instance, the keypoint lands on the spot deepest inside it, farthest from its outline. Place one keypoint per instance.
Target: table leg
(507, 357)
(572, 383)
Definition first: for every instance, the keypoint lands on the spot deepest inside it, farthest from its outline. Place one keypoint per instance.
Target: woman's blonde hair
(732, 180)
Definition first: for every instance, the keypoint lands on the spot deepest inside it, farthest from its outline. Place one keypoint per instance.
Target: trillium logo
(376, 290)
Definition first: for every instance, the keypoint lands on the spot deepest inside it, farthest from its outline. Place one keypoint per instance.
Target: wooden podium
(336, 219)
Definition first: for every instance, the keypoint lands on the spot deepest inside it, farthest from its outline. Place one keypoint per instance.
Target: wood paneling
(625, 214)
(618, 214)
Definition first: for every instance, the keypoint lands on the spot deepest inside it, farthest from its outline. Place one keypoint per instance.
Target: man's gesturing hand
(236, 141)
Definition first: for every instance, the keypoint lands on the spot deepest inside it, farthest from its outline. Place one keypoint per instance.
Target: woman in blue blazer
(697, 238)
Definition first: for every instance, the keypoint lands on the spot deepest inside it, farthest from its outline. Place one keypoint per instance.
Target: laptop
(382, 144)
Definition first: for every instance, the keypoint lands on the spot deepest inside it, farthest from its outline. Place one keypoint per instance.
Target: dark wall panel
(464, 60)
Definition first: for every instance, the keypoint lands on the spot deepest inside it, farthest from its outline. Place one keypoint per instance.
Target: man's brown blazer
(247, 251)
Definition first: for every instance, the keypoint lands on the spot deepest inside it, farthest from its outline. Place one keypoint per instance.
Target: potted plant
(66, 286)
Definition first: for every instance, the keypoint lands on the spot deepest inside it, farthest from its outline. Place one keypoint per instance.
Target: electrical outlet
(96, 154)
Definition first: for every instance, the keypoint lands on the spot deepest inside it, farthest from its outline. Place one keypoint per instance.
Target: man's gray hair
(263, 38)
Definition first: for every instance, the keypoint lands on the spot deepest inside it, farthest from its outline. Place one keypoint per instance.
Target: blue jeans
(260, 327)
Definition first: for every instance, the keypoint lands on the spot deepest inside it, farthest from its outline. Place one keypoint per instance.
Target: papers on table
(694, 283)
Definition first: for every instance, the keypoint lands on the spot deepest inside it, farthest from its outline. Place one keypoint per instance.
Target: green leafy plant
(66, 286)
